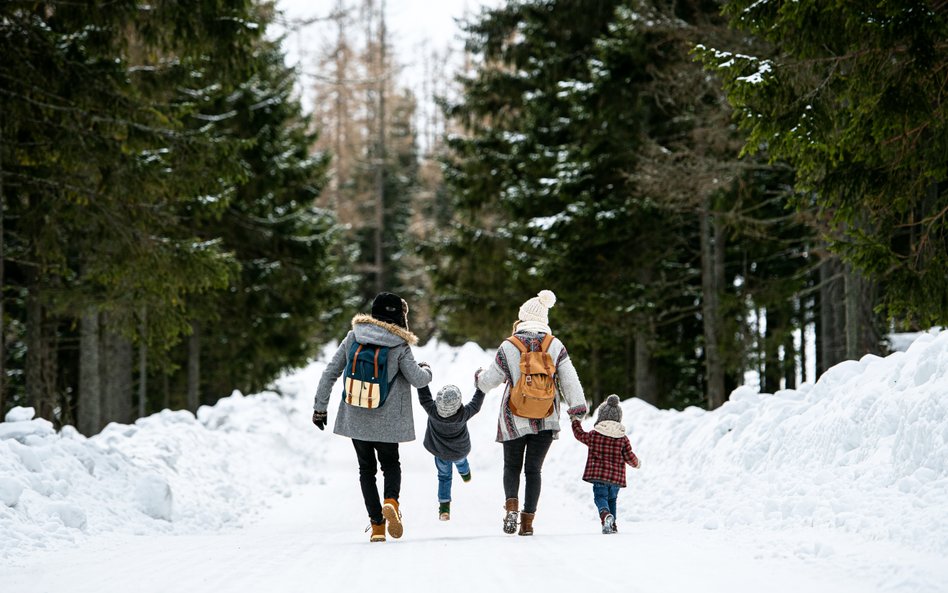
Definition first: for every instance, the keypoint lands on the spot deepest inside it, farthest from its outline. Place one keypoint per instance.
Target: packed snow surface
(837, 486)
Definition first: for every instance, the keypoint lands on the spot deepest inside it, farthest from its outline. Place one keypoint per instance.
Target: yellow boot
(393, 518)
(378, 532)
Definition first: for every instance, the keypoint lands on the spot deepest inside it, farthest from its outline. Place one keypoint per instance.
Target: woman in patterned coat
(526, 441)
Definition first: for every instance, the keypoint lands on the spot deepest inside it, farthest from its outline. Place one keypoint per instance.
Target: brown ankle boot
(378, 532)
(393, 518)
(510, 515)
(526, 524)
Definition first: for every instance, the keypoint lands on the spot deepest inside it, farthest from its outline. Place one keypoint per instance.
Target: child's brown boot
(378, 532)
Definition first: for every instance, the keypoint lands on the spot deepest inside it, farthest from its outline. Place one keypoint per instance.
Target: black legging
(391, 472)
(526, 453)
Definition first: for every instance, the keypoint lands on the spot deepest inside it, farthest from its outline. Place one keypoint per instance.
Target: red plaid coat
(607, 456)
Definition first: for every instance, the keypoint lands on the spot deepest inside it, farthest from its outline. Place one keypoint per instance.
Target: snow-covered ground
(839, 486)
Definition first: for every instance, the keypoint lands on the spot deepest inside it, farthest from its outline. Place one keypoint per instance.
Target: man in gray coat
(377, 431)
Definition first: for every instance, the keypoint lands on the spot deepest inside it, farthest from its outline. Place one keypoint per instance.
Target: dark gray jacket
(393, 422)
(448, 438)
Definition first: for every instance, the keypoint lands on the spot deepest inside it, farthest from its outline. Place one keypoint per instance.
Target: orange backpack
(534, 393)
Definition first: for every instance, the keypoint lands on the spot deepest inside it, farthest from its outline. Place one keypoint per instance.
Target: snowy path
(724, 503)
(313, 541)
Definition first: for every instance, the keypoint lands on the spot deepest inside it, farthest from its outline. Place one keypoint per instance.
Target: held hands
(427, 367)
(320, 419)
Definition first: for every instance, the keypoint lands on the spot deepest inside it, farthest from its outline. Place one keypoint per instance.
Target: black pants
(391, 472)
(526, 453)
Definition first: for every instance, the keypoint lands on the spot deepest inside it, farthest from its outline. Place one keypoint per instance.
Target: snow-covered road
(312, 540)
(840, 487)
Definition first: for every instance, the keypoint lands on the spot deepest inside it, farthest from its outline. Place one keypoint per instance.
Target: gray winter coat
(393, 422)
(448, 438)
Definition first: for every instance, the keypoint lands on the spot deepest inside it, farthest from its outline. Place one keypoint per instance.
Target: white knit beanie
(538, 308)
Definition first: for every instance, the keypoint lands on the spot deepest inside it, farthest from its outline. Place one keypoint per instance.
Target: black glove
(320, 419)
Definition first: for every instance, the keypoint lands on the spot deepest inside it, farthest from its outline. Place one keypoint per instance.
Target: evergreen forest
(717, 191)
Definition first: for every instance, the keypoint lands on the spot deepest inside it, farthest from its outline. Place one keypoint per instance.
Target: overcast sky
(410, 24)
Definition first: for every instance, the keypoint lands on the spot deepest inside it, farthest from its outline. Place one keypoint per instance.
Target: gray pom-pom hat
(448, 401)
(609, 410)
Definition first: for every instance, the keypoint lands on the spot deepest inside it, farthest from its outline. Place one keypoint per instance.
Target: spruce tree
(851, 95)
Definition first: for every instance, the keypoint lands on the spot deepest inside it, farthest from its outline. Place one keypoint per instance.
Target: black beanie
(390, 308)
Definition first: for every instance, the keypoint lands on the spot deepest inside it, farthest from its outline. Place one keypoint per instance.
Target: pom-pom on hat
(538, 308)
(609, 410)
(448, 401)
(390, 308)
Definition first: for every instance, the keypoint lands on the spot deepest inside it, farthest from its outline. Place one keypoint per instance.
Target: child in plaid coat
(609, 451)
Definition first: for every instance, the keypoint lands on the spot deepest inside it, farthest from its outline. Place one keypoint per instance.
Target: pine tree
(598, 160)
(850, 95)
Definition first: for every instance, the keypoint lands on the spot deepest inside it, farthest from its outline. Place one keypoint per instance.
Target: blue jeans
(445, 469)
(605, 496)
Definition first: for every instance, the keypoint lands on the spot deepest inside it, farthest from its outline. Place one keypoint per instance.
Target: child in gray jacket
(447, 437)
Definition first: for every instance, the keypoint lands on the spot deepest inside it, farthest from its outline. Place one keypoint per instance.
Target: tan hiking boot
(526, 524)
(393, 518)
(510, 517)
(378, 532)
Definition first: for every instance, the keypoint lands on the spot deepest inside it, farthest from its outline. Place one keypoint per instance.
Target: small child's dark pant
(605, 496)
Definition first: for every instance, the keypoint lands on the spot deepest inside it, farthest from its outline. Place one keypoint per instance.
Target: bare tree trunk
(712, 282)
(39, 388)
(90, 385)
(3, 342)
(165, 391)
(862, 336)
(115, 369)
(853, 297)
(380, 158)
(789, 356)
(770, 379)
(142, 367)
(805, 308)
(194, 367)
(831, 345)
(646, 383)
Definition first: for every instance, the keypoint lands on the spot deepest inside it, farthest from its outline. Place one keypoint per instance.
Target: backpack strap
(545, 345)
(355, 358)
(516, 342)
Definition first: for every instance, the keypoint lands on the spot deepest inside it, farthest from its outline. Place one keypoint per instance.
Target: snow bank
(169, 472)
(864, 450)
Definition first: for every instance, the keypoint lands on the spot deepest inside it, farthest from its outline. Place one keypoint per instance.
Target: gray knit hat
(609, 410)
(448, 401)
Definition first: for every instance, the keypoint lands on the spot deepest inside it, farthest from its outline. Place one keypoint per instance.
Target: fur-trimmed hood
(610, 428)
(361, 320)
